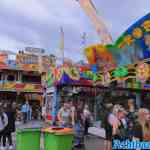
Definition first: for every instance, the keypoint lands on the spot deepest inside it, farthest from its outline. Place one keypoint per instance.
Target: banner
(34, 50)
(21, 87)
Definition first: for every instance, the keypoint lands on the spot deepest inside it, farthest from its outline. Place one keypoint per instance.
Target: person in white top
(65, 115)
(114, 122)
(87, 118)
(73, 111)
(3, 124)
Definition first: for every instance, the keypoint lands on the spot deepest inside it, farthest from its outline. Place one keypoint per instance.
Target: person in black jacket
(10, 128)
(3, 124)
(107, 126)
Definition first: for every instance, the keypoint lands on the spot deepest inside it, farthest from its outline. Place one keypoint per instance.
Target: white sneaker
(11, 147)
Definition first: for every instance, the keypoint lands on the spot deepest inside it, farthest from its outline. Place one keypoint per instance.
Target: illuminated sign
(147, 86)
(120, 72)
(35, 50)
(89, 75)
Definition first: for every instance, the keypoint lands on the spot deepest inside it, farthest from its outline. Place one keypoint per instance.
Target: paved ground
(91, 142)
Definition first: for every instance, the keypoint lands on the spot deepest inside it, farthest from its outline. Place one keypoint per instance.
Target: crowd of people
(9, 114)
(77, 116)
(119, 122)
(129, 123)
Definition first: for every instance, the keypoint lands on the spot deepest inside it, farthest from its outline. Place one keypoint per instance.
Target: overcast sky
(37, 22)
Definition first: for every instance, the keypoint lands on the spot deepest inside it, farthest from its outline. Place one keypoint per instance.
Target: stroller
(79, 137)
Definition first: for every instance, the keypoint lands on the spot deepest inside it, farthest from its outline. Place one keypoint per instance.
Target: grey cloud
(40, 24)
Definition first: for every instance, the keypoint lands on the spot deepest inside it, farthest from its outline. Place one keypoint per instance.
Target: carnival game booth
(17, 86)
(119, 69)
(21, 78)
(132, 51)
(125, 64)
(74, 83)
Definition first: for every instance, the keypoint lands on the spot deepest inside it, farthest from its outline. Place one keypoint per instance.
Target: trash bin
(58, 139)
(28, 139)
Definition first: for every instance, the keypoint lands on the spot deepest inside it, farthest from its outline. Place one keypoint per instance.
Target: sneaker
(11, 147)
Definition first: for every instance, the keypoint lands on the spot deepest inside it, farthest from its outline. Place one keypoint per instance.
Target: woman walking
(10, 128)
(87, 115)
(25, 111)
(108, 115)
(79, 127)
(3, 124)
(141, 129)
(65, 116)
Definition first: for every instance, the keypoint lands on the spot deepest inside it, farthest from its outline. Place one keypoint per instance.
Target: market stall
(123, 67)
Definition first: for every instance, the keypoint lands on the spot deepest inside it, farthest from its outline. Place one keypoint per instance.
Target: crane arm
(100, 27)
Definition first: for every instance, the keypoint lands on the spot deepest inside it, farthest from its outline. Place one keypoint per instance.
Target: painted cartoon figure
(142, 71)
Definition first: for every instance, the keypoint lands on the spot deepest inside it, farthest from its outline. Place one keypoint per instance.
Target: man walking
(25, 111)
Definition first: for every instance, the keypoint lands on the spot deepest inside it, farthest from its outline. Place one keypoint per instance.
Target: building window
(31, 79)
(10, 78)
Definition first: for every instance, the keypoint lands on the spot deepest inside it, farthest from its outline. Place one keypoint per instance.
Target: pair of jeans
(86, 126)
(25, 117)
(9, 137)
(78, 133)
(1, 136)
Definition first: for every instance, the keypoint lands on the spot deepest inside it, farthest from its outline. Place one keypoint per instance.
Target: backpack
(104, 118)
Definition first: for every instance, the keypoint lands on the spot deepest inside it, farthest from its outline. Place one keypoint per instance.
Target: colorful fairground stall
(22, 76)
(113, 71)
(126, 63)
